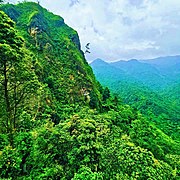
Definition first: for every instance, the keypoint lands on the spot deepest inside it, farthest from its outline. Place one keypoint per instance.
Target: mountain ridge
(147, 88)
(56, 120)
(155, 76)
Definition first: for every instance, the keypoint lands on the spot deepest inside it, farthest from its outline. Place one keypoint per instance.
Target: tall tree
(17, 79)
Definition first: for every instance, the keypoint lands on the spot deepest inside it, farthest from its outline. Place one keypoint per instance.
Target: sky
(122, 29)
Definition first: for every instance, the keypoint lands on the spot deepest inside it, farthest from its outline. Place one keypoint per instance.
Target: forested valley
(58, 122)
(150, 86)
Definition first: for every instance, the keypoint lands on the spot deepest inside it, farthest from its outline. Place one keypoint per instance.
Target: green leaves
(18, 81)
(85, 173)
(48, 130)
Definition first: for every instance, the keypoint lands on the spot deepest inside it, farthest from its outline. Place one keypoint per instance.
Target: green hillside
(140, 85)
(60, 64)
(56, 121)
(157, 74)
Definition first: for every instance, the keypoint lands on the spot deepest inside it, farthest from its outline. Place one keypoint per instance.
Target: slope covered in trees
(57, 122)
(57, 47)
(150, 86)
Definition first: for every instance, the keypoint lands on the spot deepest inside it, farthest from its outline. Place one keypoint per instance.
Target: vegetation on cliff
(57, 121)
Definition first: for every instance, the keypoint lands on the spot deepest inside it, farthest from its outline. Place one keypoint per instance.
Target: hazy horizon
(133, 59)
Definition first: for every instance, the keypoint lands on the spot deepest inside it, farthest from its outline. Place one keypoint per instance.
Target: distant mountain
(157, 74)
(145, 73)
(150, 86)
(105, 71)
(168, 66)
(163, 62)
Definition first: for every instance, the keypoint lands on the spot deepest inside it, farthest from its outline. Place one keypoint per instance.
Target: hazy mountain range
(156, 74)
(151, 86)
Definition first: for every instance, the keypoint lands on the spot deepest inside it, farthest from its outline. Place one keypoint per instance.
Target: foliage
(133, 81)
(67, 126)
(18, 82)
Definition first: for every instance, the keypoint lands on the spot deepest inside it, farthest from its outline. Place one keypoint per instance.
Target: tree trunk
(9, 121)
(15, 107)
(6, 96)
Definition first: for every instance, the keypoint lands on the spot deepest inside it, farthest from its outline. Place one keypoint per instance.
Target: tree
(106, 94)
(93, 100)
(17, 79)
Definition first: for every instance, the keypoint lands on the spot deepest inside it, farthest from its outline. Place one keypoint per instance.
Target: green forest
(151, 88)
(58, 122)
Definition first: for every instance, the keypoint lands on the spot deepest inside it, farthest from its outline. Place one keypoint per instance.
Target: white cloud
(123, 29)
